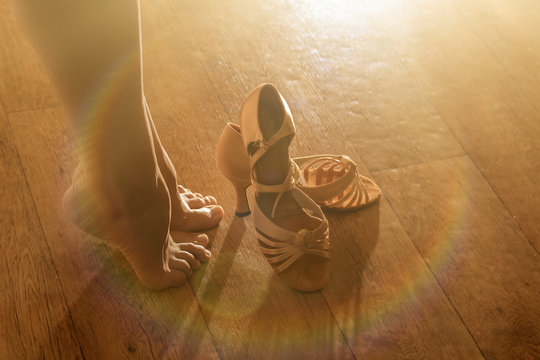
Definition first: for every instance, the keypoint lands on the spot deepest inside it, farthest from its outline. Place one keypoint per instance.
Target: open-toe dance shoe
(332, 181)
(291, 228)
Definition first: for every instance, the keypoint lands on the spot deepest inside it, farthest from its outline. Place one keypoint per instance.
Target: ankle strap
(287, 185)
(262, 146)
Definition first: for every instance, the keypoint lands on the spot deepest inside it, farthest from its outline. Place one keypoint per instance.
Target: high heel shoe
(292, 229)
(332, 181)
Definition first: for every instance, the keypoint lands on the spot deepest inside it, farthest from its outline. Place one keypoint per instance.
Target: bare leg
(190, 211)
(92, 49)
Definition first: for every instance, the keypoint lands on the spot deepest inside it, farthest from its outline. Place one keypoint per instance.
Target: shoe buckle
(303, 239)
(255, 146)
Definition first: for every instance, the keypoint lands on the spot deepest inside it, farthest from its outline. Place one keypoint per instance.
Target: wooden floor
(437, 100)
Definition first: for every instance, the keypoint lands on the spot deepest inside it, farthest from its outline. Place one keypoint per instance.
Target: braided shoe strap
(283, 247)
(346, 191)
(284, 252)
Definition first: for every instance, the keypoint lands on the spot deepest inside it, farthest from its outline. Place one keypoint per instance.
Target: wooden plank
(249, 311)
(114, 315)
(510, 33)
(481, 98)
(237, 291)
(241, 326)
(24, 84)
(35, 318)
(480, 257)
(387, 83)
(385, 298)
(252, 314)
(362, 80)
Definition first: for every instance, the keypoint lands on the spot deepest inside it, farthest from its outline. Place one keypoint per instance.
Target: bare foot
(161, 257)
(159, 263)
(127, 203)
(163, 251)
(194, 212)
(190, 211)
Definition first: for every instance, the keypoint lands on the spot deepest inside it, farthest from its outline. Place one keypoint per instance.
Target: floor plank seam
(45, 108)
(503, 204)
(16, 314)
(436, 280)
(45, 237)
(205, 321)
(148, 339)
(339, 327)
(421, 93)
(483, 177)
(443, 118)
(199, 308)
(409, 165)
(214, 89)
(492, 53)
(513, 217)
(505, 69)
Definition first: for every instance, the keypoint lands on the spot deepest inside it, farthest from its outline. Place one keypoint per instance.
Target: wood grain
(113, 314)
(349, 299)
(249, 312)
(511, 35)
(36, 321)
(434, 99)
(473, 246)
(486, 102)
(24, 84)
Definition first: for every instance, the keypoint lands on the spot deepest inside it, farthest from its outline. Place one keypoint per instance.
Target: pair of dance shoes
(292, 230)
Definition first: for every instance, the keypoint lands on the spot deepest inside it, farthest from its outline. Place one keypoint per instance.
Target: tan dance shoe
(292, 230)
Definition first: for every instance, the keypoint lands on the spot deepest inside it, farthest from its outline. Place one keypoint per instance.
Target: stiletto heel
(242, 204)
(332, 181)
(232, 161)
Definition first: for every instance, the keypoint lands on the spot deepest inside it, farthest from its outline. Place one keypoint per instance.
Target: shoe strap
(283, 247)
(286, 129)
(356, 192)
(325, 192)
(287, 185)
(262, 146)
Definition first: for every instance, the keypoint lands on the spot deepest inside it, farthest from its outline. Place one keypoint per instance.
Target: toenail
(202, 239)
(216, 212)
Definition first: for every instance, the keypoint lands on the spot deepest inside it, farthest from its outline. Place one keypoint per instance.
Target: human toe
(198, 251)
(204, 218)
(176, 263)
(196, 203)
(199, 202)
(182, 189)
(180, 237)
(186, 254)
